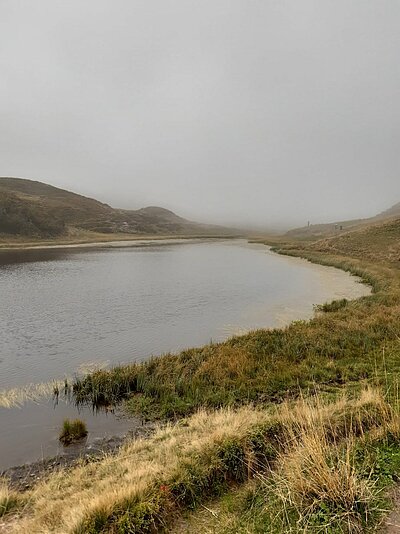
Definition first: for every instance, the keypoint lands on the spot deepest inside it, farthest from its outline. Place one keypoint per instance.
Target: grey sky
(252, 111)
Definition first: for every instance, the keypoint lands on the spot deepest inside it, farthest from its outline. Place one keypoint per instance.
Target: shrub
(333, 306)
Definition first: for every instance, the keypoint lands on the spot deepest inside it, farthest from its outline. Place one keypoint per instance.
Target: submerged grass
(17, 397)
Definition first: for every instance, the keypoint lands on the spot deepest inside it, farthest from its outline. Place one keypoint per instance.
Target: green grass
(72, 431)
(333, 306)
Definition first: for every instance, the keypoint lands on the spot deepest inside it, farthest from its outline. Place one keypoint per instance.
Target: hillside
(376, 241)
(394, 211)
(317, 231)
(37, 210)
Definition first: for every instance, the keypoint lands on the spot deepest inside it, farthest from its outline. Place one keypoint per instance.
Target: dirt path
(391, 524)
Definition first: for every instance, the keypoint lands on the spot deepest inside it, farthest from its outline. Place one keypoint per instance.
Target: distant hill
(394, 211)
(378, 240)
(318, 231)
(35, 209)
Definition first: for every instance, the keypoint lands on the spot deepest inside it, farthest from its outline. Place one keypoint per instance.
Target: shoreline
(25, 476)
(115, 241)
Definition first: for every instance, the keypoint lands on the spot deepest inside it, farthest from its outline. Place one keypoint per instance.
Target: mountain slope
(394, 211)
(35, 209)
(317, 231)
(378, 241)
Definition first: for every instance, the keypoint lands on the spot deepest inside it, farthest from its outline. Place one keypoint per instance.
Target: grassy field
(285, 430)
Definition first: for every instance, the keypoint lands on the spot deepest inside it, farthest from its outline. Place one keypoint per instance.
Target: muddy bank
(24, 477)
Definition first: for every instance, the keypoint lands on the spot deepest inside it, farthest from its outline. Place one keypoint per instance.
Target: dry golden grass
(315, 475)
(231, 364)
(320, 470)
(67, 499)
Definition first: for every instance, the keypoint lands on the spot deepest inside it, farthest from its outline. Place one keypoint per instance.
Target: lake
(64, 309)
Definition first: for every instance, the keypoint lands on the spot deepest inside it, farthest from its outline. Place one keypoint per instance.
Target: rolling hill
(377, 241)
(319, 231)
(34, 209)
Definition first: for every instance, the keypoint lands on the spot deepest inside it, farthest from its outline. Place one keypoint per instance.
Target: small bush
(72, 431)
(333, 306)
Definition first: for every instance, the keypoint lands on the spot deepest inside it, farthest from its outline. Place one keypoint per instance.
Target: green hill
(34, 209)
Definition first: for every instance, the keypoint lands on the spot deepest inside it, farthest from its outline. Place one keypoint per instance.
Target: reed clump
(72, 431)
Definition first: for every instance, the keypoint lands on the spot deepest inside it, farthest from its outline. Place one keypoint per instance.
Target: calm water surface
(63, 309)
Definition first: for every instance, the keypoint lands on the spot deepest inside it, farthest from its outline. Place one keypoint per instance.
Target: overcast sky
(262, 112)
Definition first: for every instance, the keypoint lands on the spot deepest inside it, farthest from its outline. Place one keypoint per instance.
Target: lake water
(62, 310)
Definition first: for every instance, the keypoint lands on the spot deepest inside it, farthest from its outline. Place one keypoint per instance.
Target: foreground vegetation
(284, 430)
(301, 458)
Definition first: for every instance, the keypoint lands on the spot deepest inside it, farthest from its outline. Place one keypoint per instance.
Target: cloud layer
(258, 112)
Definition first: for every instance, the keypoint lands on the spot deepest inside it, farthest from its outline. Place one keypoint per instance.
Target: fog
(256, 112)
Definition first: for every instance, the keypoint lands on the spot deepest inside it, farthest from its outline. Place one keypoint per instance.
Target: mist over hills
(35, 209)
(320, 231)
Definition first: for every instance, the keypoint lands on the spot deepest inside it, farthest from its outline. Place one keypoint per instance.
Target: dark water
(62, 309)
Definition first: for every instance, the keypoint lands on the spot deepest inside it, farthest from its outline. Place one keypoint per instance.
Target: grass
(149, 483)
(75, 500)
(16, 397)
(324, 482)
(333, 306)
(10, 501)
(72, 431)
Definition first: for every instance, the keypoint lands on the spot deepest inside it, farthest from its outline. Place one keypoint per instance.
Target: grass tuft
(72, 431)
(10, 501)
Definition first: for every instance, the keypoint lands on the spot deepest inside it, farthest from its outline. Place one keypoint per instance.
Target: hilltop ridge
(35, 209)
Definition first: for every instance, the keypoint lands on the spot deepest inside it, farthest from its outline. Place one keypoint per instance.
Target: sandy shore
(115, 241)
